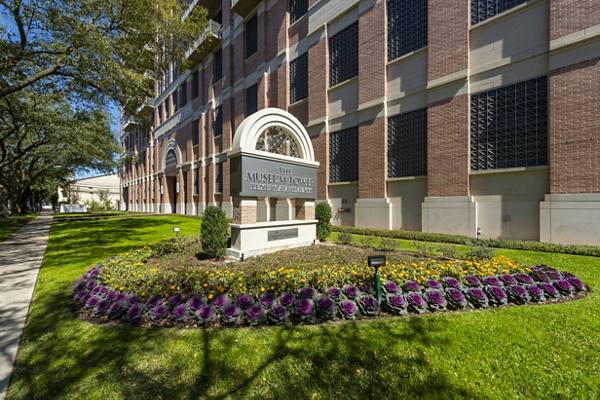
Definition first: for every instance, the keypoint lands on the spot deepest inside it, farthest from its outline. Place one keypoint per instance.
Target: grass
(9, 225)
(548, 351)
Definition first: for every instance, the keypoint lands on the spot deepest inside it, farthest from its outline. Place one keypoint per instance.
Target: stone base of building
(249, 240)
(454, 215)
(373, 213)
(570, 218)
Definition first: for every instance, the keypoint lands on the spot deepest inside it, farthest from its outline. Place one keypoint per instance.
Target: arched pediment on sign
(276, 132)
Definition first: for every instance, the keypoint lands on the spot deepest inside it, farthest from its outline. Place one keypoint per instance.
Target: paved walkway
(20, 259)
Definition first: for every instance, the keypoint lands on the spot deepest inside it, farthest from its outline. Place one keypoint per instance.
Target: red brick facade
(372, 159)
(568, 16)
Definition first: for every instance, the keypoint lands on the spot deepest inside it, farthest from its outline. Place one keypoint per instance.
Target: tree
(323, 215)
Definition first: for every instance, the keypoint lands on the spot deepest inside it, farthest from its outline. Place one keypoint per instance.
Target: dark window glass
(407, 144)
(167, 108)
(219, 178)
(218, 121)
(175, 99)
(299, 78)
(195, 132)
(509, 126)
(343, 155)
(343, 55)
(171, 160)
(197, 181)
(218, 17)
(407, 26)
(218, 65)
(251, 100)
(195, 84)
(484, 9)
(183, 94)
(297, 9)
(251, 36)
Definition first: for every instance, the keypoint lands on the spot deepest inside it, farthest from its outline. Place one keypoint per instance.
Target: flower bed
(446, 288)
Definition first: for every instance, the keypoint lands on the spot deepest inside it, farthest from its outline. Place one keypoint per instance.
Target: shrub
(323, 215)
(388, 244)
(480, 253)
(214, 233)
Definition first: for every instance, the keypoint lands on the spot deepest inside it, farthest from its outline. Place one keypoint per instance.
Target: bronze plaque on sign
(282, 234)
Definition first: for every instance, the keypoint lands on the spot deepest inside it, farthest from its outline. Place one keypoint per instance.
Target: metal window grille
(407, 144)
(175, 100)
(251, 100)
(195, 84)
(183, 94)
(484, 9)
(299, 78)
(195, 132)
(343, 155)
(509, 126)
(218, 65)
(407, 26)
(197, 180)
(171, 160)
(251, 36)
(343, 55)
(297, 9)
(219, 178)
(218, 128)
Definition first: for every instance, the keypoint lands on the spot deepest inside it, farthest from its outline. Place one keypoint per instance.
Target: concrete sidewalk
(20, 259)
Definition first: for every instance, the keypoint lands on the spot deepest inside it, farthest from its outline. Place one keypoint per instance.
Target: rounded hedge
(214, 233)
(323, 215)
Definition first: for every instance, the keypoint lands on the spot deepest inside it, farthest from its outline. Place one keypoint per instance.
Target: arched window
(279, 141)
(171, 159)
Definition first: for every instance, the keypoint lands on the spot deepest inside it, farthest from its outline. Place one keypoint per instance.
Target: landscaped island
(168, 284)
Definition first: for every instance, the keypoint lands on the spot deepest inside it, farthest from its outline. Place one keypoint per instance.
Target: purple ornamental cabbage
(335, 294)
(175, 300)
(391, 287)
(92, 302)
(255, 315)
(567, 275)
(278, 314)
(230, 315)
(473, 281)
(134, 313)
(103, 290)
(455, 298)
(194, 303)
(540, 275)
(82, 297)
(91, 284)
(433, 284)
(412, 286)
(154, 301)
(221, 301)
(564, 287)
(524, 278)
(96, 290)
(436, 299)
(79, 285)
(395, 304)
(287, 299)
(159, 312)
(536, 293)
(325, 307)
(180, 313)
(348, 309)
(577, 284)
(122, 297)
(303, 309)
(508, 280)
(101, 308)
(133, 299)
(111, 296)
(452, 282)
(267, 300)
(550, 290)
(245, 301)
(115, 310)
(368, 305)
(518, 294)
(368, 288)
(306, 293)
(416, 303)
(496, 295)
(477, 297)
(205, 315)
(492, 281)
(553, 274)
(351, 291)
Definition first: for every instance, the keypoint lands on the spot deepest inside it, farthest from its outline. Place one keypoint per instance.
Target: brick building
(468, 117)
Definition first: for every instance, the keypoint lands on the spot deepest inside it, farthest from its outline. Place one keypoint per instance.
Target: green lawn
(548, 351)
(10, 225)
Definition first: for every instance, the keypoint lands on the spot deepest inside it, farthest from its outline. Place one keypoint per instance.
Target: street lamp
(376, 262)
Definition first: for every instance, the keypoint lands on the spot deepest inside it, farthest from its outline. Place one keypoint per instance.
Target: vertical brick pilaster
(372, 53)
(448, 148)
(320, 145)
(372, 159)
(317, 82)
(574, 96)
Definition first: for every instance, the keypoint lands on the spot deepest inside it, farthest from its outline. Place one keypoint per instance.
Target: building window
(218, 65)
(171, 160)
(195, 132)
(196, 84)
(484, 9)
(299, 78)
(218, 128)
(343, 55)
(252, 99)
(219, 178)
(509, 126)
(182, 97)
(407, 144)
(343, 155)
(297, 9)
(197, 181)
(167, 108)
(251, 36)
(407, 26)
